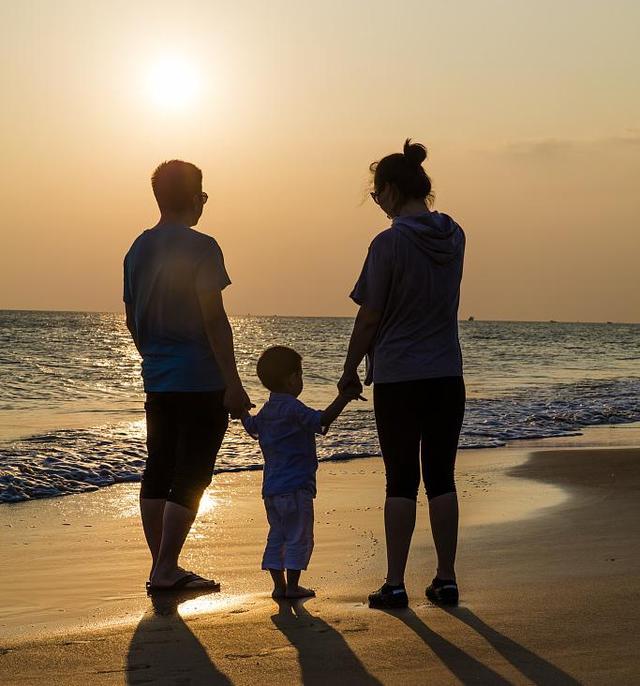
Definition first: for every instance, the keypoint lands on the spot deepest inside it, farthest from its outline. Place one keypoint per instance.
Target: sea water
(71, 399)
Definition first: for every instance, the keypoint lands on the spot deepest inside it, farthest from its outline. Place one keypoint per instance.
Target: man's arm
(220, 338)
(131, 325)
(364, 331)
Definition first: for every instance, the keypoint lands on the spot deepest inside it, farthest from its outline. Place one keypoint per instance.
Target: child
(286, 430)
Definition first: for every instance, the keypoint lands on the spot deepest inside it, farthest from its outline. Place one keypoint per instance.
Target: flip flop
(181, 584)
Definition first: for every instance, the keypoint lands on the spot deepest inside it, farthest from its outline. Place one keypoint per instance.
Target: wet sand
(549, 569)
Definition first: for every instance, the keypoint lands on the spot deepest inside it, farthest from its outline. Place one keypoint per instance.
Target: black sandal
(181, 584)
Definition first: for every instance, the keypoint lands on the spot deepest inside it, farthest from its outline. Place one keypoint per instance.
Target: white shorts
(290, 539)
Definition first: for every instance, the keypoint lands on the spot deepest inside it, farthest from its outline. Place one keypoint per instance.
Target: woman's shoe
(389, 597)
(443, 591)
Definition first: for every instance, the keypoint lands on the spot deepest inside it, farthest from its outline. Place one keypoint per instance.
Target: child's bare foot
(279, 583)
(300, 592)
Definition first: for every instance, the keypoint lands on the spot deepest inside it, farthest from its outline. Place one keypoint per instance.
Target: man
(173, 282)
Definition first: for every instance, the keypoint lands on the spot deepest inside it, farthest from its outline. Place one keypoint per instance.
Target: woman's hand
(350, 385)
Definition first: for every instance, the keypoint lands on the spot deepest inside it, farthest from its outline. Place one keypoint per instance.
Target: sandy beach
(549, 569)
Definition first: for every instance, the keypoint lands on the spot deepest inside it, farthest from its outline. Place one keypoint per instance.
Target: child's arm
(334, 410)
(250, 424)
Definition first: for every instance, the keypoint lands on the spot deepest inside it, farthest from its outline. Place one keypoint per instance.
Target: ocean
(71, 399)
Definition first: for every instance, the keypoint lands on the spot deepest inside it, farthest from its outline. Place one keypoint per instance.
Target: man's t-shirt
(164, 270)
(286, 430)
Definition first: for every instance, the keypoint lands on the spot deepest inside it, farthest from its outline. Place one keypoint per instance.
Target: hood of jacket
(434, 233)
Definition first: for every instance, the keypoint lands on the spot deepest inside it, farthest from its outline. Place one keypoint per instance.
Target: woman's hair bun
(416, 153)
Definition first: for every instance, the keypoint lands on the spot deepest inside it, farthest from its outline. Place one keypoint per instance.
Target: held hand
(350, 386)
(237, 401)
(352, 393)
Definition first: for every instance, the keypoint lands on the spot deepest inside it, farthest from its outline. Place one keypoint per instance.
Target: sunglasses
(375, 195)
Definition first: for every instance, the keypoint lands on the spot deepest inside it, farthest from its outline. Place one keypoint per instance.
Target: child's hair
(276, 364)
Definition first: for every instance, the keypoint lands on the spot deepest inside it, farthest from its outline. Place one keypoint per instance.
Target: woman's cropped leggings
(419, 423)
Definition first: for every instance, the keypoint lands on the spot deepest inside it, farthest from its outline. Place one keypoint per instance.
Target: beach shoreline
(534, 520)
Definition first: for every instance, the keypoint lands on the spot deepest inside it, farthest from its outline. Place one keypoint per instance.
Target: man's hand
(237, 401)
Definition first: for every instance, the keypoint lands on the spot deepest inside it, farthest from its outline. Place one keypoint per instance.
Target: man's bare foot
(300, 592)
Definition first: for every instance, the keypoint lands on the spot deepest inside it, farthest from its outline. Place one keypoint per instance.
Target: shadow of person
(465, 667)
(321, 649)
(534, 667)
(163, 650)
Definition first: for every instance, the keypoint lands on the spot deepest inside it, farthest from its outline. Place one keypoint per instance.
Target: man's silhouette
(173, 282)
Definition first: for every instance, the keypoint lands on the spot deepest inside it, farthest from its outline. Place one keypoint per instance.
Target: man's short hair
(174, 184)
(276, 365)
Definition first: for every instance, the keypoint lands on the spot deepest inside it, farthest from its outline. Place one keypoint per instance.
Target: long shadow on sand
(532, 666)
(163, 650)
(466, 668)
(471, 671)
(322, 651)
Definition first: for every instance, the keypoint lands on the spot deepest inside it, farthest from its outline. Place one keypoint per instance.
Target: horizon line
(334, 316)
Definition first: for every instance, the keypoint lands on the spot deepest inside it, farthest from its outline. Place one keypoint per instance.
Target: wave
(64, 462)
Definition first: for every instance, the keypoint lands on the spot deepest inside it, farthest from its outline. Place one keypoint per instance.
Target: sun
(173, 83)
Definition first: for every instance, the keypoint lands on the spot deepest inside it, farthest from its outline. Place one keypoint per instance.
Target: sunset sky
(530, 111)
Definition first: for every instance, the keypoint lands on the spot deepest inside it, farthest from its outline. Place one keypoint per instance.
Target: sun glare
(173, 83)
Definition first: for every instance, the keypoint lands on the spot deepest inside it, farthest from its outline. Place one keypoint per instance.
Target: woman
(407, 326)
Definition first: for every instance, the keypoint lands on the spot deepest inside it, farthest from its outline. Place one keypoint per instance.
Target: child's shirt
(286, 430)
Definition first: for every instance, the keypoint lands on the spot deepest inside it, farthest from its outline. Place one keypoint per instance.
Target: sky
(530, 112)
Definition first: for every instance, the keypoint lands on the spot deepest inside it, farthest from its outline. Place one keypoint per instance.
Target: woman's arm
(364, 331)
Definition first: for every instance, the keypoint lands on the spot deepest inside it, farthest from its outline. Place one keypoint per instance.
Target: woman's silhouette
(407, 326)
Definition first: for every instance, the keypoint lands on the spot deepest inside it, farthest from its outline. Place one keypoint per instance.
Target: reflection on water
(124, 504)
(206, 604)
(86, 361)
(208, 502)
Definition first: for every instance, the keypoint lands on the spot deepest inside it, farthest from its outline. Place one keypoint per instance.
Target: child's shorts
(290, 539)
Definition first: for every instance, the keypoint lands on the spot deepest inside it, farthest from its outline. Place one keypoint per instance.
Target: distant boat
(471, 319)
(553, 321)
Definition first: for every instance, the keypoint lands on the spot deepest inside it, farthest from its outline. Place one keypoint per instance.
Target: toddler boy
(286, 430)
